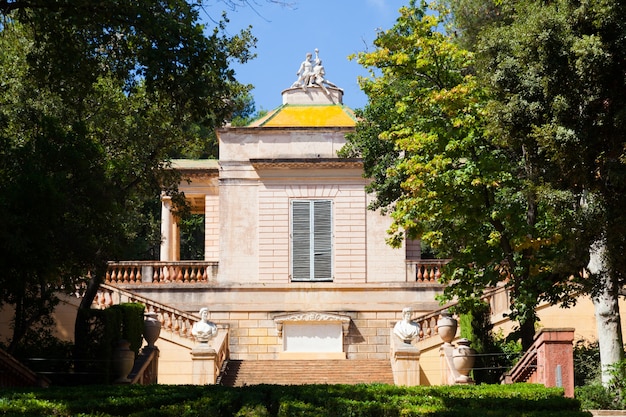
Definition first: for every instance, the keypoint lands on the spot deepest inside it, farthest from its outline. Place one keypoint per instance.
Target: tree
(555, 70)
(95, 98)
(450, 180)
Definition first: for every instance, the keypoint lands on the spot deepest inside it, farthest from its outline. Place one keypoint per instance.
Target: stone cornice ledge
(312, 316)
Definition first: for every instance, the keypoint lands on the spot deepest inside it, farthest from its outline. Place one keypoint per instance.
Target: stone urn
(151, 329)
(446, 327)
(123, 361)
(463, 358)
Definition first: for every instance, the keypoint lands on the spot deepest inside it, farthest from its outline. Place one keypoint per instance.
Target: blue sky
(338, 28)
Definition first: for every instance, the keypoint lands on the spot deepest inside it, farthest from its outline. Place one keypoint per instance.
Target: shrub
(595, 397)
(94, 349)
(376, 400)
(586, 363)
(495, 354)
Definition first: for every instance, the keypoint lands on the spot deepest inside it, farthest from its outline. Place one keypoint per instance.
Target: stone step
(300, 372)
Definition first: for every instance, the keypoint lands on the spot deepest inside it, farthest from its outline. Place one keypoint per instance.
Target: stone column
(448, 373)
(203, 359)
(167, 229)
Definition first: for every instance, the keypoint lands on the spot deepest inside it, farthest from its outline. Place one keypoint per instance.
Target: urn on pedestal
(463, 358)
(151, 328)
(123, 361)
(446, 327)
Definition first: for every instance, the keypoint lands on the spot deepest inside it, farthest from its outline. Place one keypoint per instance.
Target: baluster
(98, 299)
(168, 322)
(186, 275)
(108, 299)
(125, 276)
(138, 275)
(156, 277)
(419, 273)
(438, 273)
(107, 276)
(205, 274)
(179, 274)
(429, 329)
(183, 327)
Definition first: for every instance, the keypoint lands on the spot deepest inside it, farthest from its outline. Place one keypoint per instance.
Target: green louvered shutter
(311, 240)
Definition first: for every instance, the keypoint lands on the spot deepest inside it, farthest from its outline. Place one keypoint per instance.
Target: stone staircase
(300, 372)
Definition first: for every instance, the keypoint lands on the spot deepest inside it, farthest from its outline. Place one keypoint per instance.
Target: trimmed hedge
(94, 350)
(518, 400)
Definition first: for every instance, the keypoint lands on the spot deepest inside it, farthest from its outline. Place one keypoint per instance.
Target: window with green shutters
(311, 240)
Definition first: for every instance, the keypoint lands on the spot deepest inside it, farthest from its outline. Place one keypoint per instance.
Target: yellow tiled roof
(289, 115)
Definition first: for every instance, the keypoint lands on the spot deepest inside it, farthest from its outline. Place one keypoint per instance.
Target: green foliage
(95, 98)
(611, 397)
(93, 352)
(440, 167)
(192, 237)
(595, 397)
(555, 75)
(586, 363)
(131, 328)
(495, 355)
(517, 400)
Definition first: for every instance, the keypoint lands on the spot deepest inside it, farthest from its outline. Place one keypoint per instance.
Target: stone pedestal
(450, 375)
(405, 362)
(203, 359)
(406, 370)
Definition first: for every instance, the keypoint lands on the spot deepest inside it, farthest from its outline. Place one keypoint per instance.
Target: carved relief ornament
(312, 316)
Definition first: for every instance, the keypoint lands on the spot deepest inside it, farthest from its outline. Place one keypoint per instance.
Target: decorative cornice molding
(303, 163)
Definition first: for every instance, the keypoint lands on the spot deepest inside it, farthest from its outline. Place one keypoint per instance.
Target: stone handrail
(160, 272)
(428, 322)
(146, 369)
(223, 353)
(172, 319)
(15, 374)
(424, 271)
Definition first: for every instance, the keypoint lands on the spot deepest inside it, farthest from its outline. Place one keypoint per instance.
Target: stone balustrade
(428, 323)
(159, 272)
(172, 320)
(497, 298)
(424, 271)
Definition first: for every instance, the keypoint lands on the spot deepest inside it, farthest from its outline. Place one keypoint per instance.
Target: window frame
(311, 230)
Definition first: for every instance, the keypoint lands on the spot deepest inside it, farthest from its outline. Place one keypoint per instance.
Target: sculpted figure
(204, 329)
(318, 76)
(406, 329)
(304, 72)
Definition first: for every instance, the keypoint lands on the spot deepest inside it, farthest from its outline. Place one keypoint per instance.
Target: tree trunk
(605, 301)
(81, 326)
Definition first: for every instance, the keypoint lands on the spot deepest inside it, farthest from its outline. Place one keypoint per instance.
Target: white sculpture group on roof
(310, 75)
